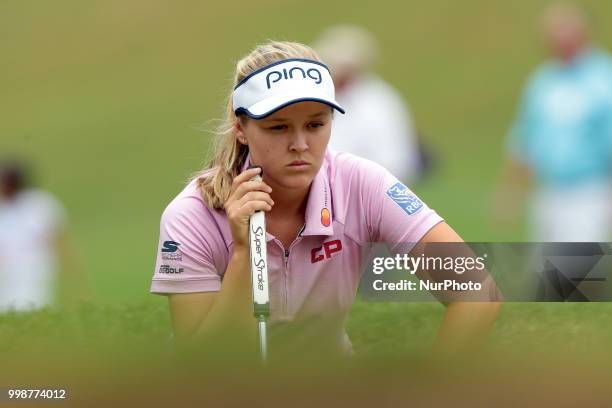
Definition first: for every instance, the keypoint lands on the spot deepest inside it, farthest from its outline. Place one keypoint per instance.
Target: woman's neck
(288, 203)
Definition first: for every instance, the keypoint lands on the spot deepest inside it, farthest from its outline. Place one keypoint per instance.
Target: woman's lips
(298, 164)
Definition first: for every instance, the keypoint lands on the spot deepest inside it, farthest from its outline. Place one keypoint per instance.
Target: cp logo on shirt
(325, 251)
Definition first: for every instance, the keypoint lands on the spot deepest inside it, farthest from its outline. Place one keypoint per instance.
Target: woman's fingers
(247, 186)
(242, 185)
(245, 176)
(251, 207)
(255, 196)
(245, 199)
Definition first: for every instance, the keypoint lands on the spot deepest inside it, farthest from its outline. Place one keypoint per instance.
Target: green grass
(107, 97)
(376, 329)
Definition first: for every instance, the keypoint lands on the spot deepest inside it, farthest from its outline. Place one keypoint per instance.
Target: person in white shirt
(33, 243)
(377, 125)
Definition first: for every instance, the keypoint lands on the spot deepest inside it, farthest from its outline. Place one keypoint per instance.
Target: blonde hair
(215, 180)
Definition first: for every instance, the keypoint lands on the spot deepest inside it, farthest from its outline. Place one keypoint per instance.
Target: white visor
(282, 83)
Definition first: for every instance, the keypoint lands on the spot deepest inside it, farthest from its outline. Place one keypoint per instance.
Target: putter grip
(259, 260)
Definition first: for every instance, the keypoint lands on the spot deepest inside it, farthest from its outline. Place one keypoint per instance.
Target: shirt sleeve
(184, 261)
(394, 214)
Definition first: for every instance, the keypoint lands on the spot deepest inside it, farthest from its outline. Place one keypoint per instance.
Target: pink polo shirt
(352, 203)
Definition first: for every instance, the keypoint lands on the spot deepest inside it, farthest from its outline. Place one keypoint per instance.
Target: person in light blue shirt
(561, 141)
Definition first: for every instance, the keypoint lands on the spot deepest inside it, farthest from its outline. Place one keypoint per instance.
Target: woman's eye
(315, 125)
(278, 127)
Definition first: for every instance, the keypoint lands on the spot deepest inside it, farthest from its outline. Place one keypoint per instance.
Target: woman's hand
(245, 198)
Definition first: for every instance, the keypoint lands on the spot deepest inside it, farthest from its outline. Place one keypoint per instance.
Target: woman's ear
(239, 129)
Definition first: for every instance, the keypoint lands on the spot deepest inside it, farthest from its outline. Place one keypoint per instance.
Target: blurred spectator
(560, 146)
(377, 124)
(33, 243)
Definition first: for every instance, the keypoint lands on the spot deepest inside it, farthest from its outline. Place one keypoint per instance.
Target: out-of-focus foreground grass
(554, 353)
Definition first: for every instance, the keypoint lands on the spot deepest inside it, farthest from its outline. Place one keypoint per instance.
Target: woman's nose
(299, 141)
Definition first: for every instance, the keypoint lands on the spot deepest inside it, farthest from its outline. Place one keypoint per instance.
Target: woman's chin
(297, 181)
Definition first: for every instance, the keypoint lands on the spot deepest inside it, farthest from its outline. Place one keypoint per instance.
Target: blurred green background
(108, 99)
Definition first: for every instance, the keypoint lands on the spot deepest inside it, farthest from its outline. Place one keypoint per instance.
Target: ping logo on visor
(283, 83)
(275, 76)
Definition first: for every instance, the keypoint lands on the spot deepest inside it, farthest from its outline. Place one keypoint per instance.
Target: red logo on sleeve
(325, 251)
